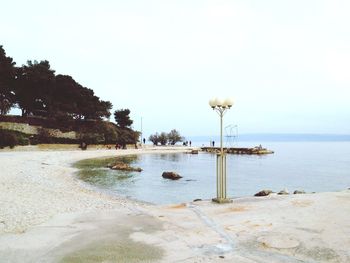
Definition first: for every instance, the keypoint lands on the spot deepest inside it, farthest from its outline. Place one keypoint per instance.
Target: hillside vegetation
(49, 101)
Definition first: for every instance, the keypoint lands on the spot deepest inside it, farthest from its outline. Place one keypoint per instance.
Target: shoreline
(47, 215)
(39, 180)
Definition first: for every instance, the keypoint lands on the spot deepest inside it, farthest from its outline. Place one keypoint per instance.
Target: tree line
(37, 91)
(57, 101)
(166, 138)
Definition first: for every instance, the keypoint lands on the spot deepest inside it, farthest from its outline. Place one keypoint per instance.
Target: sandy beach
(36, 185)
(47, 215)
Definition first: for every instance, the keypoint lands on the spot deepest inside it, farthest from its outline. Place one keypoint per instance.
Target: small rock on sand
(263, 193)
(283, 192)
(299, 192)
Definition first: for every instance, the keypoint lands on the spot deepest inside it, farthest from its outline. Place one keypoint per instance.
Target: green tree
(66, 96)
(154, 138)
(7, 81)
(163, 138)
(7, 138)
(77, 102)
(174, 137)
(34, 85)
(87, 103)
(127, 136)
(110, 132)
(37, 91)
(122, 118)
(103, 109)
(5, 105)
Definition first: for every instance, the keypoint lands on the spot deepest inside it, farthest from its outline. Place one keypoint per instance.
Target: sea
(309, 163)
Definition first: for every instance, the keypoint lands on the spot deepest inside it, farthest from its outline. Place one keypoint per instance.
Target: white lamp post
(221, 106)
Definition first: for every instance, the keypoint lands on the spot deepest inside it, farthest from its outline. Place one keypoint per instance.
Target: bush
(174, 137)
(166, 138)
(91, 138)
(22, 138)
(109, 131)
(44, 136)
(35, 139)
(163, 138)
(127, 136)
(154, 138)
(8, 138)
(88, 131)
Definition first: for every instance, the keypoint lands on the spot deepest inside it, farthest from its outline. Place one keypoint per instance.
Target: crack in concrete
(221, 248)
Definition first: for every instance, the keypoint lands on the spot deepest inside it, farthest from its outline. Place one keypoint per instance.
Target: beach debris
(283, 192)
(124, 167)
(197, 200)
(299, 192)
(171, 175)
(263, 192)
(194, 152)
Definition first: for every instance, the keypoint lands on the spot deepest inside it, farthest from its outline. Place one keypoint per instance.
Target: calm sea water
(309, 166)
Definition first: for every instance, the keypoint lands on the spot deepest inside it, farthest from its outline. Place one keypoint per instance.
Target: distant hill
(276, 137)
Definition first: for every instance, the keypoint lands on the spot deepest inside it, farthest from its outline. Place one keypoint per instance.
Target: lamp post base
(222, 200)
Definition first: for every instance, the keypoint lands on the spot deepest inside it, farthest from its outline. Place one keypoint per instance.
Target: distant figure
(213, 143)
(83, 145)
(190, 143)
(144, 141)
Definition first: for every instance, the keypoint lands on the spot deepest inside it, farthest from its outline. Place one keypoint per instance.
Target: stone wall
(21, 127)
(31, 129)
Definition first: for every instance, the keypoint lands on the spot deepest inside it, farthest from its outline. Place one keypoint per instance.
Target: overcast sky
(286, 64)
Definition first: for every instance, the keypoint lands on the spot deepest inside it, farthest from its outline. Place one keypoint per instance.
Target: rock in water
(263, 193)
(194, 152)
(125, 167)
(171, 175)
(299, 192)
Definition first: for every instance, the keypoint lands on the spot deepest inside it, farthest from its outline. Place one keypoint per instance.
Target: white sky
(285, 63)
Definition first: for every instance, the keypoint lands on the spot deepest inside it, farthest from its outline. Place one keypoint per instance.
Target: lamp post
(221, 108)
